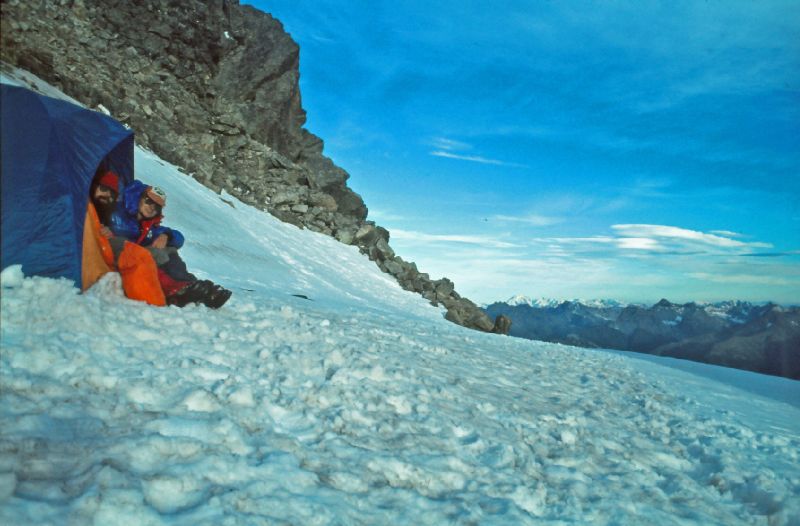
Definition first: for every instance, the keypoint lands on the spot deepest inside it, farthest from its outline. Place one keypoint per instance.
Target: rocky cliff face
(211, 86)
(761, 338)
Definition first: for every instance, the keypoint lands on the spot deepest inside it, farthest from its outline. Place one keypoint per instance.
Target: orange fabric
(140, 275)
(135, 265)
(96, 249)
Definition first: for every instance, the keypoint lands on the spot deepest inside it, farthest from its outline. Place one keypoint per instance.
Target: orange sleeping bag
(135, 264)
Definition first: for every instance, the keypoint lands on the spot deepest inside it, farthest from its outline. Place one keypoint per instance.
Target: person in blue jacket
(137, 218)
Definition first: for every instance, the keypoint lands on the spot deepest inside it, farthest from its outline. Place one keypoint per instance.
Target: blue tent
(50, 152)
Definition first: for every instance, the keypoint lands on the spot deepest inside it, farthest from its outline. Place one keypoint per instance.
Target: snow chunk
(146, 395)
(534, 502)
(431, 483)
(568, 437)
(201, 401)
(400, 404)
(109, 287)
(12, 277)
(172, 494)
(348, 482)
(242, 397)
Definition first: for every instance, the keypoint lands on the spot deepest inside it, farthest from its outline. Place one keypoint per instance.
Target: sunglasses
(152, 203)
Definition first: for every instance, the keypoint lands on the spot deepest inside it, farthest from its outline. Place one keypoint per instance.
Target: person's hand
(161, 241)
(106, 232)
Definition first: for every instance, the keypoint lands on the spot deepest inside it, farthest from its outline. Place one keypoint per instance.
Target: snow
(519, 299)
(545, 303)
(361, 405)
(12, 277)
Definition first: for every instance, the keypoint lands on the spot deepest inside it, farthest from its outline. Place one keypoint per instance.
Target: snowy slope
(359, 406)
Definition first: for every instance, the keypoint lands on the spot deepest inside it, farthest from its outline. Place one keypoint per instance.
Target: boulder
(502, 324)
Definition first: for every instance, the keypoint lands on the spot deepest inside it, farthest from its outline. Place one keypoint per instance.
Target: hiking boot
(217, 297)
(194, 292)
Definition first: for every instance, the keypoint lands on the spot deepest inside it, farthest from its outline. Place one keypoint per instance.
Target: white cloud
(635, 269)
(323, 39)
(381, 216)
(474, 159)
(745, 278)
(531, 219)
(726, 233)
(600, 247)
(581, 240)
(676, 234)
(643, 239)
(638, 243)
(420, 237)
(443, 143)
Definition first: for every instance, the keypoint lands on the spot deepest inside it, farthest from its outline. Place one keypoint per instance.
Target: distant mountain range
(761, 338)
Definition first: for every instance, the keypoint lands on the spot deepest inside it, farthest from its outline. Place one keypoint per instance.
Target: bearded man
(104, 192)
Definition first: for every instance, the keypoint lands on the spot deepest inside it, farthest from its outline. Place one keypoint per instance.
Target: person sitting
(137, 218)
(104, 192)
(135, 264)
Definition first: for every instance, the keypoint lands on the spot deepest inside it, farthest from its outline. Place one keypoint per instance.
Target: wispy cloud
(638, 243)
(475, 159)
(323, 39)
(382, 215)
(654, 240)
(420, 237)
(769, 254)
(726, 233)
(675, 235)
(631, 268)
(443, 143)
(446, 147)
(745, 278)
(530, 219)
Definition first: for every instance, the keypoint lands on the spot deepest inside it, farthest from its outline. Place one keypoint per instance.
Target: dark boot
(194, 292)
(217, 297)
(203, 291)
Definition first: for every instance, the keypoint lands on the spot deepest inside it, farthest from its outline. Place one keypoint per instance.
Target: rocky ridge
(212, 87)
(761, 338)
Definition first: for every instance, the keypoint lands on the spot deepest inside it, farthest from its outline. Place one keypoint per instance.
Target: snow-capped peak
(549, 303)
(519, 299)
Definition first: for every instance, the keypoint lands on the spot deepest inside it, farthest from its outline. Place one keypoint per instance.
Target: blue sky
(625, 150)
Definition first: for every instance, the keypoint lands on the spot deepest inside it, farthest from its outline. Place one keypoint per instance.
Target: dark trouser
(170, 262)
(167, 259)
(117, 244)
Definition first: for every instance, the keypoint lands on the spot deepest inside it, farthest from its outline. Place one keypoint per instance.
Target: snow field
(269, 413)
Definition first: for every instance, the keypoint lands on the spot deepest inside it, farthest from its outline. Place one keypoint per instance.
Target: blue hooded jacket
(125, 224)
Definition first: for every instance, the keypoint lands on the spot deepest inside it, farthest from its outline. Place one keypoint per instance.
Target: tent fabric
(98, 257)
(50, 152)
(136, 266)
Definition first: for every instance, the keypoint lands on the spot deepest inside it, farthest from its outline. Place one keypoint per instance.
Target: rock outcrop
(212, 87)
